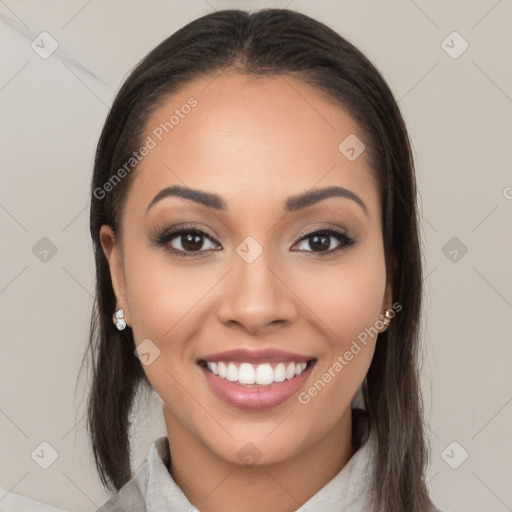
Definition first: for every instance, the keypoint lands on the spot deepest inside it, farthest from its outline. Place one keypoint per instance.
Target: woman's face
(257, 269)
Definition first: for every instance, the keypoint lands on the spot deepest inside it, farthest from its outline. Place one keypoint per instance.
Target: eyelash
(170, 234)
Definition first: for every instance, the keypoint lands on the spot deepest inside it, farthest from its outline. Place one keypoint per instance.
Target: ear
(387, 302)
(112, 251)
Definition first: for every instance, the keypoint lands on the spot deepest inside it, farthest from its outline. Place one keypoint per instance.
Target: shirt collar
(349, 488)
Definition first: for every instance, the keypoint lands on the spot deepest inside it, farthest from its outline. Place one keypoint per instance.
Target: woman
(254, 221)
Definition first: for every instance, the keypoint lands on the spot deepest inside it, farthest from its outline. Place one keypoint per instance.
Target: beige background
(459, 113)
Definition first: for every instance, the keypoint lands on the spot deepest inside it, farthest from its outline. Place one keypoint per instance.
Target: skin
(254, 141)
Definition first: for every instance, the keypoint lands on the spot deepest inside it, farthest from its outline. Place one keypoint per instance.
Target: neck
(213, 484)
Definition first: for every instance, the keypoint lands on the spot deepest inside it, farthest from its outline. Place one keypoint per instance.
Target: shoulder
(133, 495)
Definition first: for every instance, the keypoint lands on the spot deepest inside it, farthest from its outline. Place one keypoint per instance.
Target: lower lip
(256, 397)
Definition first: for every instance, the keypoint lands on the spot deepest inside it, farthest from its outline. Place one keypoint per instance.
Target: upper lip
(257, 356)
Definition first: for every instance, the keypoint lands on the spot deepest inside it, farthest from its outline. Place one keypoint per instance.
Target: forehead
(251, 139)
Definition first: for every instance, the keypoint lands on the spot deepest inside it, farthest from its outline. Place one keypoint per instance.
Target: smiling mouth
(256, 375)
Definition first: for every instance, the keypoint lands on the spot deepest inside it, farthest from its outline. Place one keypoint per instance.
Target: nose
(256, 296)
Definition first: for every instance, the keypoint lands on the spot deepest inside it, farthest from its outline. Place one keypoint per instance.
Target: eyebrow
(293, 203)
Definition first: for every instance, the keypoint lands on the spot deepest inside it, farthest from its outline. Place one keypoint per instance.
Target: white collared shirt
(152, 489)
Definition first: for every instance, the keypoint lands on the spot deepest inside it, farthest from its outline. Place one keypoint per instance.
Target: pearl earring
(389, 315)
(118, 319)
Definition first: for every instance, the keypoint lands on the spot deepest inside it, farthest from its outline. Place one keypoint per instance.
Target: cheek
(161, 294)
(346, 298)
(161, 299)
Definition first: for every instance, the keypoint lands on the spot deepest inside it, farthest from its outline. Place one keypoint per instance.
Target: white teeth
(299, 368)
(261, 374)
(222, 369)
(232, 374)
(264, 374)
(279, 373)
(246, 374)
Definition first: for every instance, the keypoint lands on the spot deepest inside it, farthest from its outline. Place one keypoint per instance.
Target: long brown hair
(271, 42)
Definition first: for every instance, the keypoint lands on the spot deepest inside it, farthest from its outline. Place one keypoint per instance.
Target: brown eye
(185, 242)
(190, 242)
(320, 242)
